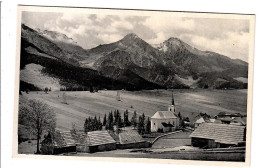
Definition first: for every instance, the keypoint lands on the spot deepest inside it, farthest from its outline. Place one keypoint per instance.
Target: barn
(81, 141)
(100, 141)
(129, 139)
(212, 135)
(58, 142)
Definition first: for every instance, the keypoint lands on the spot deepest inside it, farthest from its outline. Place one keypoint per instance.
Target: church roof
(164, 115)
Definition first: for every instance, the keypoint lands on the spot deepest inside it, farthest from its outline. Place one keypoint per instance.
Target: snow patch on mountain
(56, 36)
(32, 73)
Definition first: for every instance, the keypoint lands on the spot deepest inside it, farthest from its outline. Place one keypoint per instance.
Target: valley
(189, 103)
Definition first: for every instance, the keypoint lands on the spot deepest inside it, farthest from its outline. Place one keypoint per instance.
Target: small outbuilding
(211, 135)
(100, 141)
(129, 139)
(58, 142)
(199, 122)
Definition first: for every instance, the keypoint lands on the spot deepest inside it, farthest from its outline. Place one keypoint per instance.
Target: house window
(153, 123)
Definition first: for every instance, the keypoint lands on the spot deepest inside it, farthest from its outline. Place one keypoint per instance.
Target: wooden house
(100, 141)
(58, 142)
(212, 135)
(129, 139)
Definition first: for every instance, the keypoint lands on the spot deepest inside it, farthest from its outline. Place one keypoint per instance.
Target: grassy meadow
(188, 102)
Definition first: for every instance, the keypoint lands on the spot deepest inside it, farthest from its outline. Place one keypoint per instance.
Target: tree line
(114, 122)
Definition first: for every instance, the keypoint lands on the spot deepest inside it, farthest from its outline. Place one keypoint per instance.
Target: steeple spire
(172, 99)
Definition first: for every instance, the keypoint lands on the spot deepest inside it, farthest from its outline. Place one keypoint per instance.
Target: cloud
(226, 36)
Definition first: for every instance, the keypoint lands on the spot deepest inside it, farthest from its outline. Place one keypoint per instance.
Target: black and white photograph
(116, 83)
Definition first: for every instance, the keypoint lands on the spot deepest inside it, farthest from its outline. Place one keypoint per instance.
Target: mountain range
(130, 63)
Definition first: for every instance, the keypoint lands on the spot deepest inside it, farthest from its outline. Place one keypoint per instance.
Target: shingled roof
(99, 138)
(63, 139)
(163, 115)
(221, 133)
(130, 136)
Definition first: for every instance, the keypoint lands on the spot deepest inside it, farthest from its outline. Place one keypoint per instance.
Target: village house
(212, 135)
(71, 141)
(199, 121)
(58, 142)
(165, 121)
(100, 141)
(129, 139)
(202, 120)
(234, 119)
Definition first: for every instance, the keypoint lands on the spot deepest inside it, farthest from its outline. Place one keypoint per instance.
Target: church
(165, 121)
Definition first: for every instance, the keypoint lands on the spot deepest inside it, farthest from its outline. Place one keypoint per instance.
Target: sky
(229, 37)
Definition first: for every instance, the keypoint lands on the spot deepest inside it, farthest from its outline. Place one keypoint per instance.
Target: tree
(134, 120)
(126, 120)
(99, 124)
(86, 125)
(38, 117)
(46, 90)
(109, 124)
(105, 120)
(91, 89)
(148, 126)
(141, 124)
(118, 123)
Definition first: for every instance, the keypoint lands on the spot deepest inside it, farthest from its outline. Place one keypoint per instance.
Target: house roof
(80, 137)
(222, 133)
(63, 139)
(238, 121)
(129, 136)
(164, 115)
(200, 120)
(99, 138)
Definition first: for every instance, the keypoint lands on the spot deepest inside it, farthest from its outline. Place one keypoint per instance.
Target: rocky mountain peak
(131, 37)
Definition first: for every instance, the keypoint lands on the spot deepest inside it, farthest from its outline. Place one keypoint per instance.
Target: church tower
(172, 106)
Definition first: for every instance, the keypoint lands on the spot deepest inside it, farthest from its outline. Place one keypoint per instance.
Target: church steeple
(172, 99)
(172, 106)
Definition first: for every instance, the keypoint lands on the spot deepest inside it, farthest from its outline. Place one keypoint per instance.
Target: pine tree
(99, 124)
(148, 126)
(118, 123)
(134, 120)
(109, 124)
(105, 120)
(112, 118)
(90, 125)
(95, 123)
(126, 120)
(115, 117)
(86, 125)
(141, 125)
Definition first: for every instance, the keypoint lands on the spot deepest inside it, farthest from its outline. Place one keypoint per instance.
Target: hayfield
(188, 102)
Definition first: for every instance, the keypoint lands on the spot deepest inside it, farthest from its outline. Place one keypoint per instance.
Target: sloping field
(189, 102)
(33, 74)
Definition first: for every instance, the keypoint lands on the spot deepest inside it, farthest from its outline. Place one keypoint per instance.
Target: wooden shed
(100, 141)
(211, 135)
(58, 142)
(129, 139)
